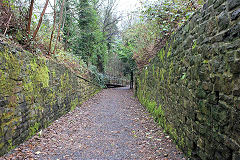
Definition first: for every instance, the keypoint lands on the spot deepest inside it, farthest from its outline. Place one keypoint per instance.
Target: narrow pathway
(111, 125)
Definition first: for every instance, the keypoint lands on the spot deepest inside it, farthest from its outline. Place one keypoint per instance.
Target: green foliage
(205, 62)
(10, 147)
(159, 19)
(183, 76)
(71, 60)
(151, 106)
(82, 33)
(9, 73)
(161, 54)
(97, 77)
(41, 72)
(34, 129)
(169, 15)
(18, 13)
(125, 53)
(140, 38)
(194, 45)
(74, 104)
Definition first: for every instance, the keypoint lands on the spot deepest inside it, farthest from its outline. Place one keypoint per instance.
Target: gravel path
(111, 125)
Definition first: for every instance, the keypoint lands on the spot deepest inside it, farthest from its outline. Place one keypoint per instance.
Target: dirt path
(111, 125)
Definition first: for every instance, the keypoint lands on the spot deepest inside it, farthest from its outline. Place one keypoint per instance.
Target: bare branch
(59, 26)
(54, 23)
(7, 25)
(30, 18)
(40, 20)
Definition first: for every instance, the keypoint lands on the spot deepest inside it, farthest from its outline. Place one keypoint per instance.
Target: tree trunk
(40, 20)
(66, 27)
(59, 26)
(100, 64)
(54, 23)
(29, 18)
(131, 81)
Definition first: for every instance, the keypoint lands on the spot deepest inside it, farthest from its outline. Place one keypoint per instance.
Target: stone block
(237, 104)
(3, 103)
(202, 154)
(236, 91)
(236, 155)
(220, 9)
(237, 54)
(211, 2)
(200, 143)
(207, 86)
(235, 67)
(233, 4)
(211, 27)
(231, 143)
(18, 141)
(202, 28)
(235, 14)
(223, 21)
(232, 33)
(205, 6)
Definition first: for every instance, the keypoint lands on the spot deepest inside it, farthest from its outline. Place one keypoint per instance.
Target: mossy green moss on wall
(9, 73)
(34, 91)
(39, 72)
(74, 104)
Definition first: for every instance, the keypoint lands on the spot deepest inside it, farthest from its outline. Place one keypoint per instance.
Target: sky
(128, 5)
(123, 5)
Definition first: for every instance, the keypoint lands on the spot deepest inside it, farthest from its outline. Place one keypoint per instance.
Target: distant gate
(113, 81)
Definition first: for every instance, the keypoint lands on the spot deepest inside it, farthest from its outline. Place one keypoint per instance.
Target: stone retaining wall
(193, 86)
(34, 91)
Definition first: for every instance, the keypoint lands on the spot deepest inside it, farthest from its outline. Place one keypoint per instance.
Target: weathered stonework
(34, 91)
(193, 86)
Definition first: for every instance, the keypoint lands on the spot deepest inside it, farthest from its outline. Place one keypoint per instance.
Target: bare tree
(30, 18)
(59, 26)
(40, 20)
(110, 20)
(54, 23)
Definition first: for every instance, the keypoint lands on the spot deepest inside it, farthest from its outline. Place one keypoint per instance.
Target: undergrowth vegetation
(158, 21)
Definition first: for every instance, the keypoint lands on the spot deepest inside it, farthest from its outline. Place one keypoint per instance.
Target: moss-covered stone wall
(193, 86)
(34, 91)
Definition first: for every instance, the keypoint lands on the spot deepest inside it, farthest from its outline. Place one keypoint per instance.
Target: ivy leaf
(183, 76)
(35, 16)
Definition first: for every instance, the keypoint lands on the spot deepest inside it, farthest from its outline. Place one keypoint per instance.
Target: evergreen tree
(87, 23)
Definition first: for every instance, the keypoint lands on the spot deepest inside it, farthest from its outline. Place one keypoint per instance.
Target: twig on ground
(7, 25)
